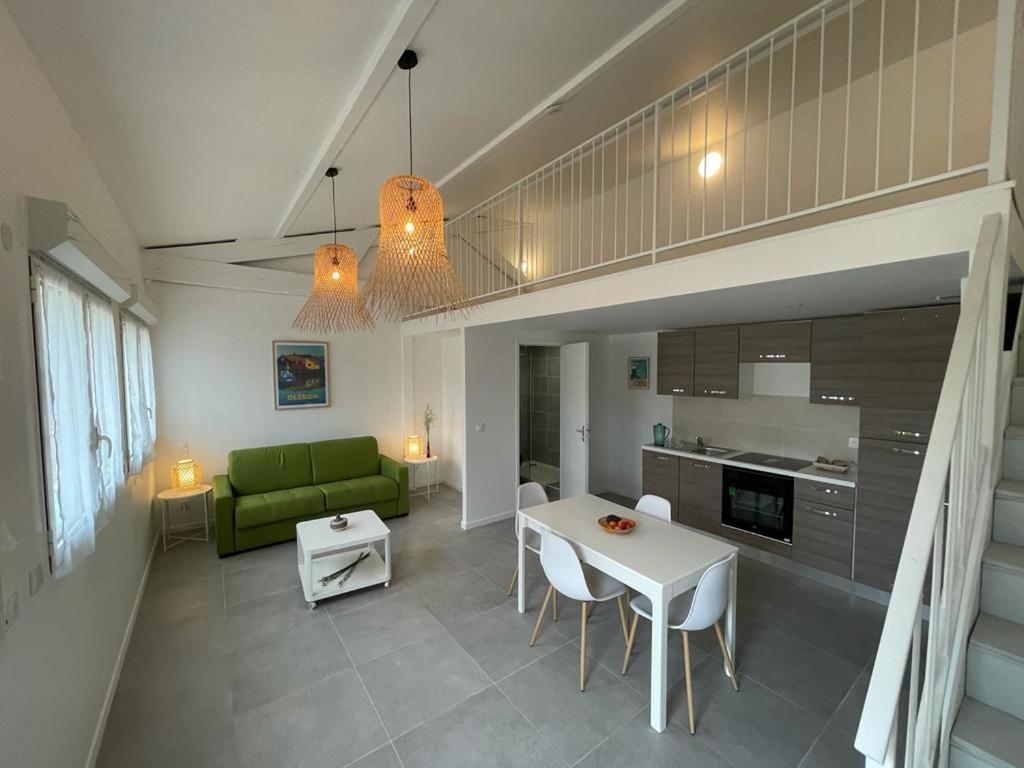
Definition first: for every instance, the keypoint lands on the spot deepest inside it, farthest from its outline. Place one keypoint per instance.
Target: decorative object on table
(616, 524)
(414, 447)
(661, 433)
(639, 373)
(343, 573)
(412, 272)
(838, 466)
(339, 523)
(186, 473)
(334, 304)
(301, 376)
(429, 417)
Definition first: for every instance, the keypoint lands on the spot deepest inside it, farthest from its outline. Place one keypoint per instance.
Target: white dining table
(658, 559)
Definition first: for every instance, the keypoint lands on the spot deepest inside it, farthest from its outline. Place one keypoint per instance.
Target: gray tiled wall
(538, 404)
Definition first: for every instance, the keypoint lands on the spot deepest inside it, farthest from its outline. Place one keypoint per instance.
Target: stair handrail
(960, 450)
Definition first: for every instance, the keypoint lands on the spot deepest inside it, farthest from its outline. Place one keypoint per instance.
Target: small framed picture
(639, 373)
(301, 375)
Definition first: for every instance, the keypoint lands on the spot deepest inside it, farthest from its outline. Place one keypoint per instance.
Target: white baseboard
(488, 520)
(115, 677)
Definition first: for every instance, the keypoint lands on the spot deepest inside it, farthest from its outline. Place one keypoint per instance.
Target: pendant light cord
(334, 211)
(410, 121)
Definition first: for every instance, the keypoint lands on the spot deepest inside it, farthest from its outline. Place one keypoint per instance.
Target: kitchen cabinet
(776, 342)
(716, 362)
(836, 360)
(824, 493)
(823, 536)
(675, 363)
(661, 476)
(700, 495)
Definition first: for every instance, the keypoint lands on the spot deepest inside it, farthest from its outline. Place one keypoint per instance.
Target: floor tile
(751, 727)
(275, 666)
(328, 723)
(459, 597)
(275, 554)
(268, 615)
(833, 749)
(251, 583)
(184, 562)
(548, 693)
(499, 639)
(606, 645)
(486, 724)
(385, 757)
(418, 681)
(382, 626)
(336, 606)
(635, 744)
(425, 568)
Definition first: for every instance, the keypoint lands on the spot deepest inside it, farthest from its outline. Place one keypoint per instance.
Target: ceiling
(917, 282)
(213, 120)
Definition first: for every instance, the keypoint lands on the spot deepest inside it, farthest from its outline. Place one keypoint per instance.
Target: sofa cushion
(344, 459)
(272, 468)
(262, 508)
(359, 490)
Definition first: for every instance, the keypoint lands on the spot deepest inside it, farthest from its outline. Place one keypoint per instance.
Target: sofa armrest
(224, 514)
(398, 472)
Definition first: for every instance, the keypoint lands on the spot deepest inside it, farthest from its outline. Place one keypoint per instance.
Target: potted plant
(429, 417)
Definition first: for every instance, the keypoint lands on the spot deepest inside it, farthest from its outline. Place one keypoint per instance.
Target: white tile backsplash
(787, 426)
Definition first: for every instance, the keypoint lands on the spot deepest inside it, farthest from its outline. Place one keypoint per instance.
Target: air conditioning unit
(54, 230)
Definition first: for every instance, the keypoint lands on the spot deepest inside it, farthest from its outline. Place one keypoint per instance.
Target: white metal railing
(948, 531)
(849, 100)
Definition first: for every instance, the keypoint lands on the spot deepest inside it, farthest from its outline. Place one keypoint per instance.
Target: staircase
(989, 730)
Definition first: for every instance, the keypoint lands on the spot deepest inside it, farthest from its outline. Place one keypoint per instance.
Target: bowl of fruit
(616, 524)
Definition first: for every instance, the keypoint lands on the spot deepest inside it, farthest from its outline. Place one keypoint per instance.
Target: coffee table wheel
(311, 605)
(387, 584)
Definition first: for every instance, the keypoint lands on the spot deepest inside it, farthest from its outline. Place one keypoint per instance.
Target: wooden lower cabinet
(661, 476)
(700, 495)
(823, 537)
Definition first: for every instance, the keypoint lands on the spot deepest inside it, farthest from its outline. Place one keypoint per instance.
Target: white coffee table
(323, 551)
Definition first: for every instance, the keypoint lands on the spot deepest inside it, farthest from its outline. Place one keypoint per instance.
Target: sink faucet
(700, 443)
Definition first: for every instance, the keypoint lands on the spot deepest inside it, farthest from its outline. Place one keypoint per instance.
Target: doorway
(539, 417)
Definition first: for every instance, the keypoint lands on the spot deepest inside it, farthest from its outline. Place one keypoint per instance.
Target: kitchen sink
(706, 450)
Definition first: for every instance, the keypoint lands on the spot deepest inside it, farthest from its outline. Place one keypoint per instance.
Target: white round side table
(182, 494)
(416, 463)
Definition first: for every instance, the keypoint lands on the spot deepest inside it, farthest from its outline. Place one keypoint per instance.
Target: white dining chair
(655, 506)
(566, 574)
(696, 610)
(527, 495)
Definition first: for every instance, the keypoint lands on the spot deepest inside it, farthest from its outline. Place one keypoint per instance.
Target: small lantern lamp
(186, 474)
(414, 447)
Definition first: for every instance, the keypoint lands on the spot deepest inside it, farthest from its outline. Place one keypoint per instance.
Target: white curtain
(140, 394)
(148, 389)
(71, 474)
(108, 444)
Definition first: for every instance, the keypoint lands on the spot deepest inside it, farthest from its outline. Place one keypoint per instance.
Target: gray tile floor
(228, 668)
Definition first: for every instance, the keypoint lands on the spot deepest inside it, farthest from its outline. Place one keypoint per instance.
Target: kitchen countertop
(808, 473)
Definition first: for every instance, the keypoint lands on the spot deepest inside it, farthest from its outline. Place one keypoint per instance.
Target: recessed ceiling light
(554, 109)
(710, 164)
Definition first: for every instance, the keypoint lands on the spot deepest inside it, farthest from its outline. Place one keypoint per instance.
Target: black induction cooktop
(767, 460)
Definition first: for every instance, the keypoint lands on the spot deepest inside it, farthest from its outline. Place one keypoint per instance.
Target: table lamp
(186, 474)
(414, 447)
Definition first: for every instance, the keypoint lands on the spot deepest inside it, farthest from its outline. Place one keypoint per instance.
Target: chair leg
(725, 656)
(512, 586)
(583, 644)
(689, 681)
(554, 606)
(540, 616)
(590, 609)
(622, 618)
(629, 642)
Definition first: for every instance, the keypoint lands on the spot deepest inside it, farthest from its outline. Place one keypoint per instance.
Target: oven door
(758, 502)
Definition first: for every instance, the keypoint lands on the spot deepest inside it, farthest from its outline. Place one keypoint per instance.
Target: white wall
(58, 659)
(216, 375)
(453, 405)
(622, 419)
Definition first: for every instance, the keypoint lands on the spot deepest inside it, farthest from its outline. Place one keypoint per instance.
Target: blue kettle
(661, 433)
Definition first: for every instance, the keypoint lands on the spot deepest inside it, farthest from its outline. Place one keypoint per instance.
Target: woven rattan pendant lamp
(334, 304)
(412, 273)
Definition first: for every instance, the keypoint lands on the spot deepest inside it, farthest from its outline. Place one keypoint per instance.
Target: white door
(574, 420)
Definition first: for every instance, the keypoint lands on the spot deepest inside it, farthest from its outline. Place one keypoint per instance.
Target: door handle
(583, 433)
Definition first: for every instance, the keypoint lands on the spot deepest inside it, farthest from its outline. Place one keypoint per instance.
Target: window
(139, 393)
(80, 413)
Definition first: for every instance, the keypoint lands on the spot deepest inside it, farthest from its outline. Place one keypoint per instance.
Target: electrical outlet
(11, 611)
(35, 580)
(855, 442)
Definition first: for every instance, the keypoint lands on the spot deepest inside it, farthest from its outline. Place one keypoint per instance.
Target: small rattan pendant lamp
(412, 273)
(334, 304)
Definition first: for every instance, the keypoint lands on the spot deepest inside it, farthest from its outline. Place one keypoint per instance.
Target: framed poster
(301, 375)
(639, 373)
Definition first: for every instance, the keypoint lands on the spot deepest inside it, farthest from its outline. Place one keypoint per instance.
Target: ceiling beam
(243, 251)
(651, 24)
(165, 268)
(404, 25)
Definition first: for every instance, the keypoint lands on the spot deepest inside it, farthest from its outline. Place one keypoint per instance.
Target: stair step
(1008, 512)
(1013, 452)
(984, 737)
(1002, 581)
(995, 664)
(1010, 489)
(1017, 401)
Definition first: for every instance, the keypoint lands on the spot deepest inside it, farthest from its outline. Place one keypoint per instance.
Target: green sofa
(268, 490)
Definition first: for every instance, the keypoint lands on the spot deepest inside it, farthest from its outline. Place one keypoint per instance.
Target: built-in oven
(758, 502)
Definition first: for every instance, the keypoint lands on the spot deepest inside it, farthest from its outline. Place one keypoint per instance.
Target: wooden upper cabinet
(716, 362)
(675, 363)
(836, 360)
(776, 342)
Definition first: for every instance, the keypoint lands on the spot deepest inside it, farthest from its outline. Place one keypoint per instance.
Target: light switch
(481, 427)
(855, 442)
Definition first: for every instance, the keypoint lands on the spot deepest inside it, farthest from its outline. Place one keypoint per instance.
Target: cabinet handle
(772, 356)
(663, 458)
(906, 451)
(838, 398)
(908, 433)
(715, 391)
(822, 489)
(823, 512)
(678, 389)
